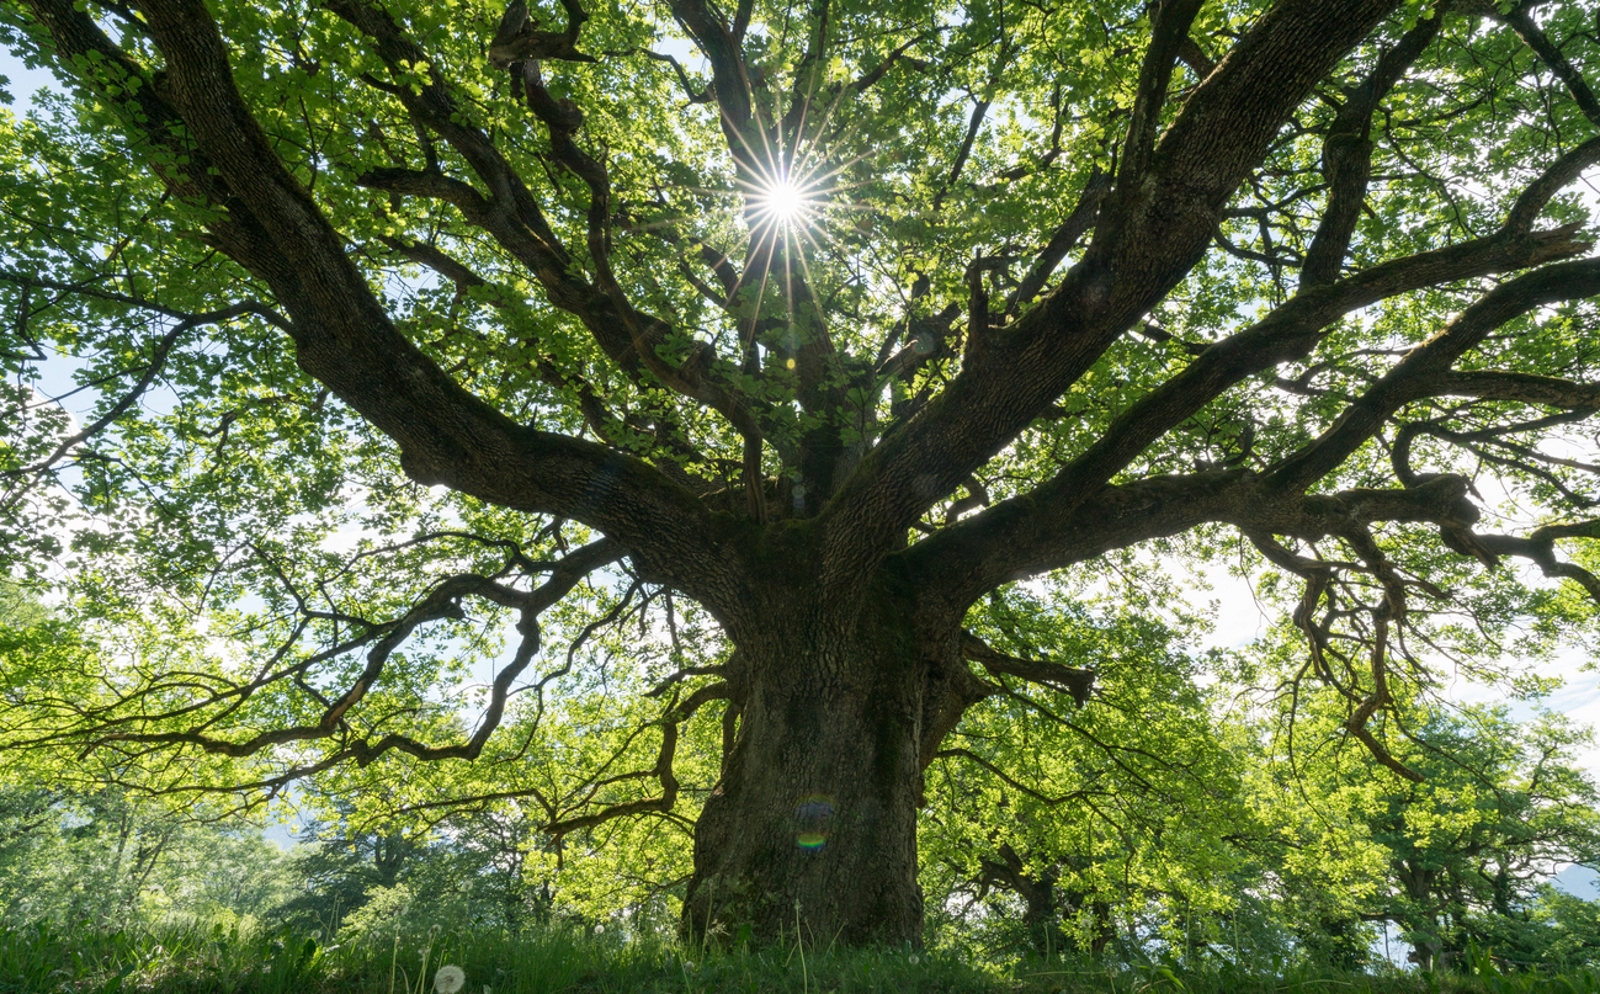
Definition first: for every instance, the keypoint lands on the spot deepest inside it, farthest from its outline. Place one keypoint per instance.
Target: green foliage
(110, 861)
(470, 869)
(228, 548)
(1242, 822)
(197, 522)
(1106, 822)
(1455, 861)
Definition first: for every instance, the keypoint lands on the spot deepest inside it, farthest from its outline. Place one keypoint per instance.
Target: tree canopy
(674, 409)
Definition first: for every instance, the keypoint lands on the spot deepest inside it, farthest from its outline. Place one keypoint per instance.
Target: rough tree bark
(813, 825)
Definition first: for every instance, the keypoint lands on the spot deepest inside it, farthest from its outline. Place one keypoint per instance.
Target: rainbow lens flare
(813, 817)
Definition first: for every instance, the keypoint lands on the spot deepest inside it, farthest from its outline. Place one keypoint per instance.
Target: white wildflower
(599, 930)
(449, 979)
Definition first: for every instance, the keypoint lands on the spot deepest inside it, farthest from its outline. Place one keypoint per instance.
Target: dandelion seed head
(599, 930)
(449, 979)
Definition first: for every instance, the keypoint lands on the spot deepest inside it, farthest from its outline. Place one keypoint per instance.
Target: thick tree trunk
(813, 826)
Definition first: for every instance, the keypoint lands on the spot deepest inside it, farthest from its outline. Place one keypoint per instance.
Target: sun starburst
(785, 201)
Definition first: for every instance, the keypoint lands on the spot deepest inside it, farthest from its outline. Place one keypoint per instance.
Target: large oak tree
(828, 319)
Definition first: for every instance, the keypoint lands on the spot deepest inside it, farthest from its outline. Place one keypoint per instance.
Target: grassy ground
(561, 961)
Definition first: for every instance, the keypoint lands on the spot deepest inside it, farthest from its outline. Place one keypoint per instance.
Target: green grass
(42, 960)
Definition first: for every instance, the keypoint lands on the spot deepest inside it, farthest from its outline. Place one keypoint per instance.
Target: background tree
(113, 861)
(423, 336)
(338, 868)
(473, 868)
(1461, 859)
(1096, 829)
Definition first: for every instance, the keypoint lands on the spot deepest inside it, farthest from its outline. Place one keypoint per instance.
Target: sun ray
(764, 165)
(754, 160)
(755, 312)
(788, 180)
(822, 320)
(800, 125)
(771, 234)
(827, 115)
(792, 342)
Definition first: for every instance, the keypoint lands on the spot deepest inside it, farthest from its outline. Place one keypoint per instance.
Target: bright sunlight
(784, 201)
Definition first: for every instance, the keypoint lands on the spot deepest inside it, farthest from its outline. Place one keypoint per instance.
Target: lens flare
(785, 201)
(813, 817)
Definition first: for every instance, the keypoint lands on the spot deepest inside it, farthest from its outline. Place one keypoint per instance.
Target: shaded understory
(40, 960)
